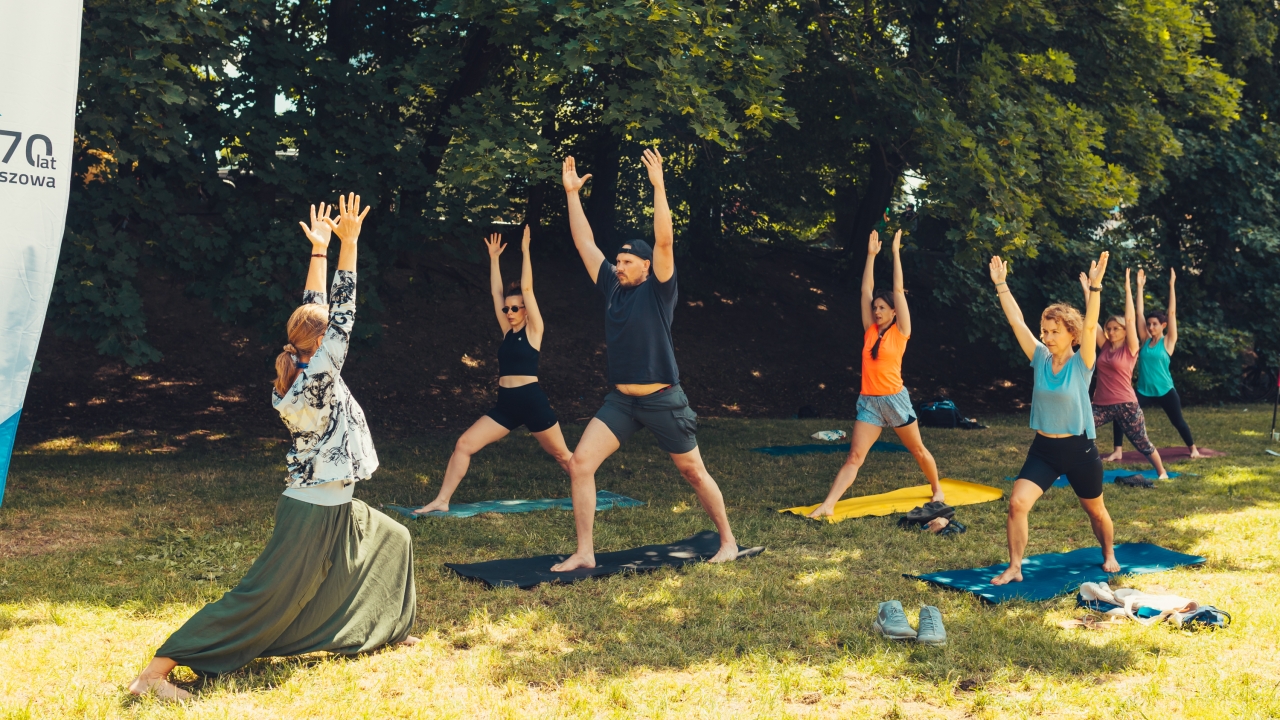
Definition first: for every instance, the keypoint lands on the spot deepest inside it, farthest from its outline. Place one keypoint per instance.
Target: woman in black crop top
(521, 400)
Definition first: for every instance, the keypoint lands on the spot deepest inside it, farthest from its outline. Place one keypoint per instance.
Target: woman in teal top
(1061, 415)
(1159, 335)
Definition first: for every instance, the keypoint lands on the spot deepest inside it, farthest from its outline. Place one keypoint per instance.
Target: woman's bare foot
(158, 686)
(822, 511)
(574, 562)
(1013, 574)
(433, 506)
(728, 551)
(1116, 456)
(1164, 476)
(409, 641)
(938, 496)
(1110, 564)
(1195, 452)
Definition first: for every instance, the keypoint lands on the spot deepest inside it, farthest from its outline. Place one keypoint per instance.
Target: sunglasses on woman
(512, 308)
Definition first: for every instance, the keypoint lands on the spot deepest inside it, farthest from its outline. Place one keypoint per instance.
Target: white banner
(39, 70)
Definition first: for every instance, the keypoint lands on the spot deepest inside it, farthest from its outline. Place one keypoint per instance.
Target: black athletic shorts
(525, 405)
(1076, 457)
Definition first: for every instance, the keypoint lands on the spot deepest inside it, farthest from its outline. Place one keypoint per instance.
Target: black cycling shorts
(1076, 457)
(525, 405)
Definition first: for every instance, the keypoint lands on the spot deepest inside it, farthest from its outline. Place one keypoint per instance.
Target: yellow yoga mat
(958, 492)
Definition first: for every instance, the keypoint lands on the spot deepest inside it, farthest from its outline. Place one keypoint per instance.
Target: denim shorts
(886, 410)
(666, 413)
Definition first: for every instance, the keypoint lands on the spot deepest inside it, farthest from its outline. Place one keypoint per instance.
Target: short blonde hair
(1117, 319)
(1067, 316)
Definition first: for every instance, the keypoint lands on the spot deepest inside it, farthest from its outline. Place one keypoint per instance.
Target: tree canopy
(1043, 130)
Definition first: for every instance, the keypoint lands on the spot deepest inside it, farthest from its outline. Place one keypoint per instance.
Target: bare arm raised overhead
(1171, 332)
(664, 257)
(319, 233)
(495, 246)
(869, 280)
(899, 292)
(1089, 351)
(583, 239)
(1141, 318)
(1130, 317)
(1099, 336)
(534, 315)
(1026, 339)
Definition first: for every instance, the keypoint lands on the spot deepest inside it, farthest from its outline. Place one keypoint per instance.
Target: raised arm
(1171, 332)
(1139, 317)
(496, 246)
(899, 293)
(1099, 336)
(869, 280)
(319, 234)
(342, 299)
(999, 274)
(1089, 351)
(532, 314)
(583, 239)
(1130, 317)
(664, 257)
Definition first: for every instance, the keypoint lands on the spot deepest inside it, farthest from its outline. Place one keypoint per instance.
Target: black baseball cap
(639, 248)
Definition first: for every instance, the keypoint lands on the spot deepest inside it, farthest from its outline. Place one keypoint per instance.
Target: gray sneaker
(892, 623)
(931, 630)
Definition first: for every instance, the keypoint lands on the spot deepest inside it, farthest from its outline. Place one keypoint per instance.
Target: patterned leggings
(1127, 417)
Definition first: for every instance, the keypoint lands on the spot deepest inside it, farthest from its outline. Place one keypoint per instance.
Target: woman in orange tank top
(884, 401)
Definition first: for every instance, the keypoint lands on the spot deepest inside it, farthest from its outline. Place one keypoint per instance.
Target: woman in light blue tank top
(1159, 335)
(1061, 415)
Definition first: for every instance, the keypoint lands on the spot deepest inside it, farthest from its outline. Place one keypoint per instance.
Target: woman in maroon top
(1113, 397)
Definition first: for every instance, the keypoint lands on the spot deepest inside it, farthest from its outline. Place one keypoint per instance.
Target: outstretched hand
(349, 218)
(1173, 277)
(652, 160)
(318, 232)
(569, 176)
(524, 240)
(873, 243)
(1142, 279)
(495, 245)
(1098, 269)
(1084, 283)
(897, 241)
(999, 269)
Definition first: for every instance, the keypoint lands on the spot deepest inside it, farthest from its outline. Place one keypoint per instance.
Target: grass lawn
(104, 551)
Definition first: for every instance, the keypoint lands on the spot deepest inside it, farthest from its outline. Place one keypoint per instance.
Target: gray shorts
(886, 410)
(666, 413)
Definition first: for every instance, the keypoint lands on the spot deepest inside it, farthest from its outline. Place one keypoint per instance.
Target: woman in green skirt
(337, 575)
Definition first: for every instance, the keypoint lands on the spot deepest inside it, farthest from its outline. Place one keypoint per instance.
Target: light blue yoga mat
(604, 501)
(1052, 574)
(778, 450)
(1109, 476)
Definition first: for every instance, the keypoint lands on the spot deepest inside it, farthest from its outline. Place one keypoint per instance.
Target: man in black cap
(640, 298)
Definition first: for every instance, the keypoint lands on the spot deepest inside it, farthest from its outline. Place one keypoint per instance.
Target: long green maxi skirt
(334, 578)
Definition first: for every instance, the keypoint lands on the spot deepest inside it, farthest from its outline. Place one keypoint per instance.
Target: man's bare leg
(596, 445)
(484, 431)
(1021, 500)
(704, 486)
(864, 436)
(154, 678)
(1100, 519)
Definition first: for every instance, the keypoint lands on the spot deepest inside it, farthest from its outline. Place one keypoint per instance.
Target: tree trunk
(886, 172)
(339, 38)
(601, 206)
(477, 55)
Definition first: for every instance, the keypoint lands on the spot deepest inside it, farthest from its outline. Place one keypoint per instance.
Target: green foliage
(1015, 128)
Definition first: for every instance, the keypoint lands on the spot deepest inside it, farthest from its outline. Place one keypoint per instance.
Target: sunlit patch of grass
(786, 634)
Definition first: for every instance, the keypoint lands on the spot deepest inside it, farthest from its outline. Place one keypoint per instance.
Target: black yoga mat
(529, 572)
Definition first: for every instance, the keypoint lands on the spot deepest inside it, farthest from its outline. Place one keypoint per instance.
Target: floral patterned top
(330, 435)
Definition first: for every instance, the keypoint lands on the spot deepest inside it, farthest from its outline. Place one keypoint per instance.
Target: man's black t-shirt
(637, 328)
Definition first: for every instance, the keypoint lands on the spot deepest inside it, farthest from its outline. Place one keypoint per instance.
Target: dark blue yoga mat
(1053, 574)
(777, 450)
(1109, 476)
(604, 501)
